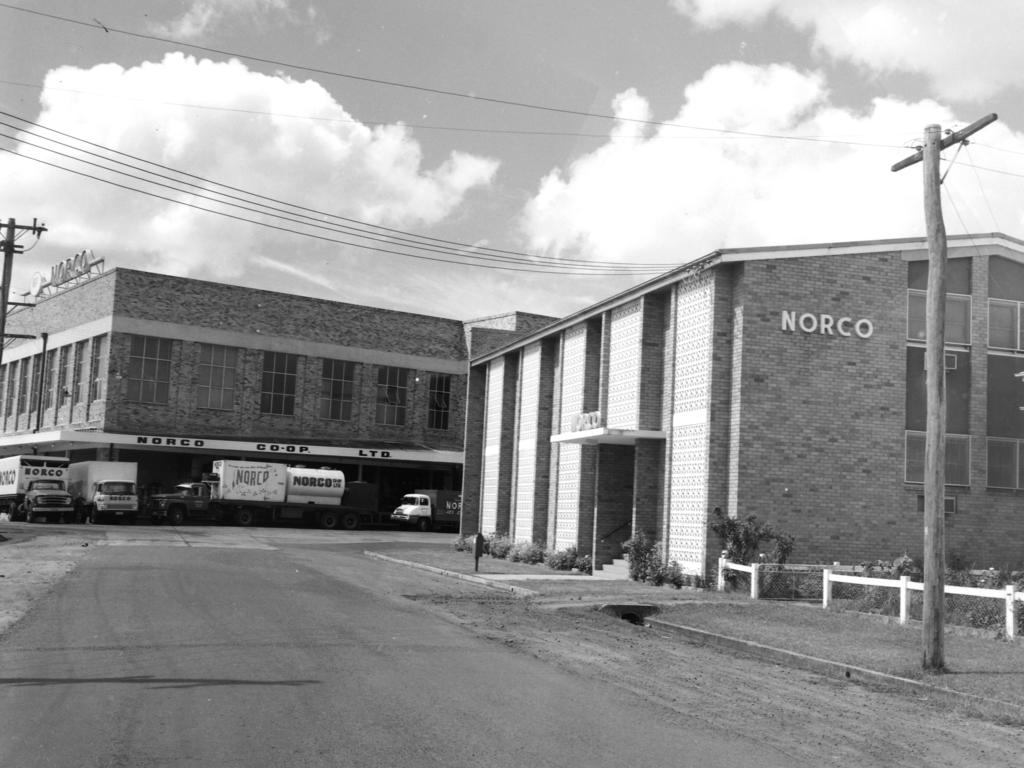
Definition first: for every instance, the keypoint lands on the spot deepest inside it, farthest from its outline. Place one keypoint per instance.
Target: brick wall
(821, 415)
(250, 321)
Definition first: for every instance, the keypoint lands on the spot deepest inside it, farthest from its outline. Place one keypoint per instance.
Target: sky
(467, 158)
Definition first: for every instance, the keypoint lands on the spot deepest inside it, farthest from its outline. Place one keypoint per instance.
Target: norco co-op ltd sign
(826, 325)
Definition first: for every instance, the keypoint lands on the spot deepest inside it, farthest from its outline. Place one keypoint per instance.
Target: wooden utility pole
(933, 611)
(10, 248)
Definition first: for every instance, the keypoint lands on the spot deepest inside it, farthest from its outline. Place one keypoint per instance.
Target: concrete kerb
(480, 580)
(833, 669)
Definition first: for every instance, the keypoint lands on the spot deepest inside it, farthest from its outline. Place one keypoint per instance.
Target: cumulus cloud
(325, 160)
(967, 51)
(683, 192)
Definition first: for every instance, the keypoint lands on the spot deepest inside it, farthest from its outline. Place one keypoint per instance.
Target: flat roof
(910, 248)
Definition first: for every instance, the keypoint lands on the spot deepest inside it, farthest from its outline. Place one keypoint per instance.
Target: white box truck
(35, 487)
(429, 509)
(105, 490)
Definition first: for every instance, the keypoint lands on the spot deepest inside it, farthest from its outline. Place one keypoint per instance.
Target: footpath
(985, 674)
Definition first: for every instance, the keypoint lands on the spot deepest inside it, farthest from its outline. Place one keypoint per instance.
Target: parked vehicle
(429, 509)
(249, 492)
(34, 487)
(105, 490)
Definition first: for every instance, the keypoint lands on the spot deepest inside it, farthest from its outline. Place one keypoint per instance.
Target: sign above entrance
(581, 422)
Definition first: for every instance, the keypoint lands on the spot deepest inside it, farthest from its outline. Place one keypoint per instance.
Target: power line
(372, 232)
(507, 264)
(724, 134)
(96, 26)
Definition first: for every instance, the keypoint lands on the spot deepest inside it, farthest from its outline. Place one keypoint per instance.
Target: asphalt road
(266, 647)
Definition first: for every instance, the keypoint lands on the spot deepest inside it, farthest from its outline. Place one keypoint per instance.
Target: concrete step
(616, 569)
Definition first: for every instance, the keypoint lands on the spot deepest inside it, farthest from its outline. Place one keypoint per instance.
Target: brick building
(174, 373)
(786, 383)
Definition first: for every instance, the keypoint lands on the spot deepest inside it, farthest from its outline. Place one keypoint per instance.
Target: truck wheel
(350, 521)
(29, 517)
(175, 516)
(423, 524)
(329, 520)
(245, 517)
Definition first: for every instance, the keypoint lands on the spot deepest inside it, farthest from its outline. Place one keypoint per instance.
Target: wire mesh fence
(779, 582)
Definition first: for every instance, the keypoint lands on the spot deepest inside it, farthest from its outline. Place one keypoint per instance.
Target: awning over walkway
(605, 435)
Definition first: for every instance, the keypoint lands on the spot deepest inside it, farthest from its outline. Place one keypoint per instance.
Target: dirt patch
(29, 568)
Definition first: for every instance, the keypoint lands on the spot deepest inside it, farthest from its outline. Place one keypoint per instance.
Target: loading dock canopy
(68, 439)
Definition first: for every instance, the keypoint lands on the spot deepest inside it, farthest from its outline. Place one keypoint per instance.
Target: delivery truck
(35, 488)
(251, 492)
(429, 509)
(104, 491)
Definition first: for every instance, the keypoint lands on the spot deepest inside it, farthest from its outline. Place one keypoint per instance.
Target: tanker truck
(250, 492)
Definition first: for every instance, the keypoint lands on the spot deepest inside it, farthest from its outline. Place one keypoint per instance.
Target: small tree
(742, 539)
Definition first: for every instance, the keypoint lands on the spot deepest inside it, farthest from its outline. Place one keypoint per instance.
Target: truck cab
(415, 509)
(188, 501)
(47, 499)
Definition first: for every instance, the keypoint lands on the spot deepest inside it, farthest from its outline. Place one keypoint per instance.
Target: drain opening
(633, 613)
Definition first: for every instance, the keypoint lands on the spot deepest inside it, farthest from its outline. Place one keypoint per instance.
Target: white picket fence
(1009, 594)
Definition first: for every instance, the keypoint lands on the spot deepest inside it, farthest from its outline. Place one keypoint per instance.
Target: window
(217, 367)
(958, 459)
(1004, 324)
(52, 372)
(10, 378)
(35, 383)
(392, 389)
(440, 393)
(81, 388)
(64, 377)
(958, 317)
(5, 388)
(22, 385)
(337, 390)
(958, 390)
(98, 368)
(279, 375)
(1003, 463)
(149, 370)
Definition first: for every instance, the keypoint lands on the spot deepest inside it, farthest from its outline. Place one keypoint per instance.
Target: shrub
(642, 554)
(526, 552)
(742, 539)
(584, 564)
(562, 559)
(465, 543)
(498, 546)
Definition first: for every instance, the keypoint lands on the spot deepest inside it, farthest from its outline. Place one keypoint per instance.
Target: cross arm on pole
(954, 138)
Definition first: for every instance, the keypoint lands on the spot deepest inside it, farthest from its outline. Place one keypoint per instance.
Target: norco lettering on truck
(318, 482)
(255, 477)
(8, 476)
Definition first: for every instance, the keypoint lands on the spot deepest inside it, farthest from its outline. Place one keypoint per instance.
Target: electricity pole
(933, 611)
(10, 248)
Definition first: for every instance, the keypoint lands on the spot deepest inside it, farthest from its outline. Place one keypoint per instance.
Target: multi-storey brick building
(786, 383)
(173, 373)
